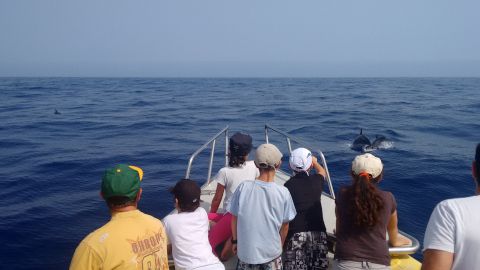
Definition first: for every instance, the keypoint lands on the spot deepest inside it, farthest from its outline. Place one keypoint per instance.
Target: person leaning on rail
(261, 211)
(187, 230)
(131, 239)
(306, 244)
(228, 178)
(451, 238)
(364, 213)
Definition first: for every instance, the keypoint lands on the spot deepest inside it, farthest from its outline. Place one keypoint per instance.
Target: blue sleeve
(233, 206)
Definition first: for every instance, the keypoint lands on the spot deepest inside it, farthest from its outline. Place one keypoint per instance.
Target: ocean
(51, 164)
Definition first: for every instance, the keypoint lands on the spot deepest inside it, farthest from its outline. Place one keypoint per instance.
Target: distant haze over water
(239, 69)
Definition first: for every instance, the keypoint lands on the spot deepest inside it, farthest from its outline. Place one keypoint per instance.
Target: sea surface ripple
(51, 164)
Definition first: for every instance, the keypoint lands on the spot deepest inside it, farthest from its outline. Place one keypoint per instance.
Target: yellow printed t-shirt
(130, 240)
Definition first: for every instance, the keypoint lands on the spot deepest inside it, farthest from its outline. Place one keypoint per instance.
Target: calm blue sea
(51, 164)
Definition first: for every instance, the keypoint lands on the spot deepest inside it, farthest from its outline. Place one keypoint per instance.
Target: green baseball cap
(122, 180)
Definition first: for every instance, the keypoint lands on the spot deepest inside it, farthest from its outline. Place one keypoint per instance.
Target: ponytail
(366, 203)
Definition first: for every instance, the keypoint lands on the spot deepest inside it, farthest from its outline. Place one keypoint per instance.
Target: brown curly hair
(365, 202)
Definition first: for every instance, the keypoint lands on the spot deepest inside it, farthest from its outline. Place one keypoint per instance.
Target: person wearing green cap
(131, 239)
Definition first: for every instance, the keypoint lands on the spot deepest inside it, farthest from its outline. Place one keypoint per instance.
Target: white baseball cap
(367, 163)
(300, 159)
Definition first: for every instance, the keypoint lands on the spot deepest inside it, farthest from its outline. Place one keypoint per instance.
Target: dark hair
(365, 202)
(236, 160)
(119, 202)
(188, 206)
(239, 145)
(187, 192)
(477, 162)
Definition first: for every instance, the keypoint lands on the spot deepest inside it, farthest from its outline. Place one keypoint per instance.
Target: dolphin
(56, 112)
(379, 140)
(361, 142)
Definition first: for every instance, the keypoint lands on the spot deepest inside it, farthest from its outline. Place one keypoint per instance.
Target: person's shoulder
(387, 196)
(223, 171)
(318, 177)
(96, 236)
(297, 178)
(250, 166)
(172, 216)
(250, 163)
(149, 219)
(282, 189)
(291, 181)
(92, 236)
(246, 184)
(385, 193)
(459, 202)
(201, 211)
(469, 199)
(88, 252)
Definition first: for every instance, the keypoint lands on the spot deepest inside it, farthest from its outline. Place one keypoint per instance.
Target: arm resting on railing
(395, 238)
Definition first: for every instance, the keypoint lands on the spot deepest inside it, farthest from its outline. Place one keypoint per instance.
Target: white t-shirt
(454, 227)
(231, 177)
(188, 234)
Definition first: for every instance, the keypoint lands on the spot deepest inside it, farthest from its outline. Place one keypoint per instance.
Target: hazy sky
(263, 38)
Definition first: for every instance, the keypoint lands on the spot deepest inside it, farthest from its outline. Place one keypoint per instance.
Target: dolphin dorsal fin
(361, 131)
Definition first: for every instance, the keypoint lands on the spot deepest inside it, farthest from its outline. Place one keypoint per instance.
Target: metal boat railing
(211, 142)
(289, 139)
(224, 133)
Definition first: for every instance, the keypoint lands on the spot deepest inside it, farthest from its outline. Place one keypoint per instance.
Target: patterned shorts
(306, 251)
(276, 264)
(352, 265)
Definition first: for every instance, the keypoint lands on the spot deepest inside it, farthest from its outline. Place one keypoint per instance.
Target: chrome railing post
(329, 181)
(189, 167)
(289, 146)
(226, 147)
(210, 164)
(212, 154)
(266, 133)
